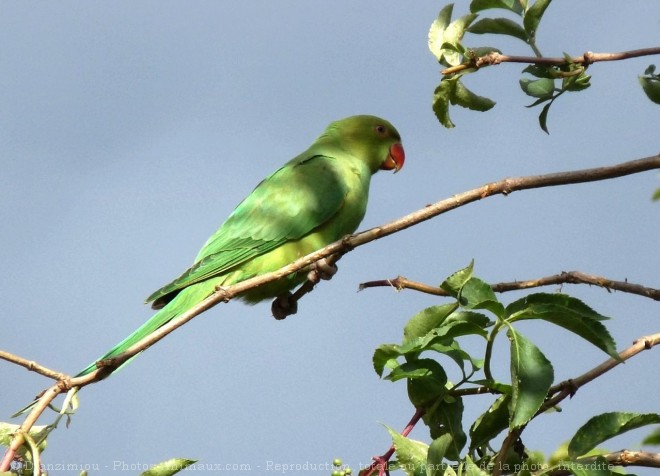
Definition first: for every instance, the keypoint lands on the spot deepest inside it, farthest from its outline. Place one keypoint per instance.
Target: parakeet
(313, 200)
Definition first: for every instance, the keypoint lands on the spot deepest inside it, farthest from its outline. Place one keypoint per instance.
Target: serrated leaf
(605, 426)
(410, 454)
(651, 87)
(531, 377)
(533, 16)
(385, 356)
(434, 461)
(426, 383)
(499, 26)
(511, 5)
(437, 31)
(465, 98)
(455, 282)
(447, 418)
(169, 467)
(538, 88)
(454, 34)
(417, 369)
(653, 438)
(491, 423)
(441, 97)
(567, 312)
(477, 294)
(423, 322)
(458, 355)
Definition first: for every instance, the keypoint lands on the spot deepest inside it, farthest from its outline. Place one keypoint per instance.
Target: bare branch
(571, 277)
(568, 387)
(32, 366)
(586, 59)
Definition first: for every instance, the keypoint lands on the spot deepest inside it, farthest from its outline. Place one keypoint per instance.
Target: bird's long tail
(187, 298)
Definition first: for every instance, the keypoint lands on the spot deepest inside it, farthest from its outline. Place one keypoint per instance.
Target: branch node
(588, 58)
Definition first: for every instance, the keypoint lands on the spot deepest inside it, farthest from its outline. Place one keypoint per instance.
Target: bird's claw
(284, 306)
(322, 270)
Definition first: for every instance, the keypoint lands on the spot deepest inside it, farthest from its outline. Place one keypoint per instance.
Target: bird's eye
(381, 130)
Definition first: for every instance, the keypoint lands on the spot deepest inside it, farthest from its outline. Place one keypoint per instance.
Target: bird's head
(371, 139)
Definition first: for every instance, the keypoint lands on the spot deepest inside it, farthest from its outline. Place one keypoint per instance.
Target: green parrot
(313, 200)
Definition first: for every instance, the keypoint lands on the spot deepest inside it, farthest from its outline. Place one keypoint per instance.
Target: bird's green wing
(289, 204)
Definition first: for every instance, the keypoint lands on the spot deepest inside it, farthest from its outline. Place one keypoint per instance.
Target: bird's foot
(322, 269)
(284, 306)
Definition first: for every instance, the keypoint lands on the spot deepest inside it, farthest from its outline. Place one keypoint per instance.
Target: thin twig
(568, 388)
(225, 294)
(586, 59)
(32, 366)
(572, 277)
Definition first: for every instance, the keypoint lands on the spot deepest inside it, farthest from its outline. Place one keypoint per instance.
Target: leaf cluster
(550, 78)
(433, 335)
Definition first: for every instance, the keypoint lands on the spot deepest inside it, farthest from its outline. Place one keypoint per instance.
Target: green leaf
(417, 369)
(441, 102)
(605, 426)
(426, 381)
(465, 98)
(567, 312)
(491, 423)
(651, 87)
(437, 30)
(434, 461)
(472, 469)
(447, 418)
(455, 282)
(538, 88)
(477, 294)
(511, 5)
(543, 118)
(531, 377)
(411, 454)
(656, 195)
(385, 356)
(37, 432)
(445, 36)
(169, 467)
(533, 15)
(541, 71)
(499, 26)
(598, 467)
(653, 438)
(458, 355)
(425, 321)
(454, 34)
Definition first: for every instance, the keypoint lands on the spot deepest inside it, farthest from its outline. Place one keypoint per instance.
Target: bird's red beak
(396, 158)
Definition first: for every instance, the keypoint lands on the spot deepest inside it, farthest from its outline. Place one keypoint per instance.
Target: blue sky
(130, 130)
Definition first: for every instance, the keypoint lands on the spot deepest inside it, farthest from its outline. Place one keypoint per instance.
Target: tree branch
(586, 59)
(225, 294)
(32, 366)
(572, 277)
(568, 388)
